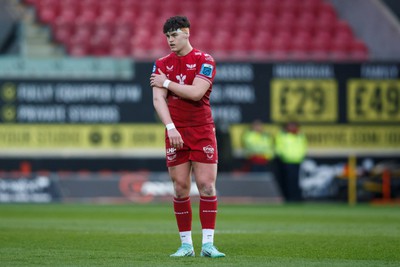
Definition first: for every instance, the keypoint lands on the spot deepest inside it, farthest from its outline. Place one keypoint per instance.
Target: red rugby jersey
(183, 70)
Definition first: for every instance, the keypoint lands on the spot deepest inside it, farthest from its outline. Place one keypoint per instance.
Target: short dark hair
(176, 22)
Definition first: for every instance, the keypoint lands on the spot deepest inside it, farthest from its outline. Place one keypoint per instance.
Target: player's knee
(207, 190)
(181, 189)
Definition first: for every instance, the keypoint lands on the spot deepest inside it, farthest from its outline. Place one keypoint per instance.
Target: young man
(182, 83)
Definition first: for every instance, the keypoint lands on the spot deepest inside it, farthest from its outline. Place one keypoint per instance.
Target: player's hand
(175, 138)
(157, 79)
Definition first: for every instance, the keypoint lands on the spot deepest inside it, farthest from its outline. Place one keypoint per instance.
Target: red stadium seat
(325, 23)
(202, 39)
(89, 6)
(120, 51)
(78, 44)
(241, 42)
(78, 50)
(267, 23)
(339, 45)
(358, 50)
(342, 29)
(301, 45)
(207, 16)
(281, 44)
(88, 16)
(62, 30)
(48, 14)
(220, 42)
(262, 43)
(270, 6)
(62, 35)
(258, 29)
(321, 46)
(290, 6)
(305, 23)
(69, 14)
(99, 45)
(245, 22)
(310, 6)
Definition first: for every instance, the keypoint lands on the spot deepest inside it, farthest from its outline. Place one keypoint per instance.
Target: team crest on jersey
(181, 78)
(191, 66)
(207, 70)
(170, 68)
(209, 151)
(171, 154)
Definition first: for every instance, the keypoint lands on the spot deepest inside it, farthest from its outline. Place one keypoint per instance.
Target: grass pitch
(250, 235)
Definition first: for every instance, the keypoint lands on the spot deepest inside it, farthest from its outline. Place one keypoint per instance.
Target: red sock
(183, 213)
(208, 212)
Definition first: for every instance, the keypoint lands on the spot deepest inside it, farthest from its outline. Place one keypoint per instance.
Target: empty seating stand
(229, 29)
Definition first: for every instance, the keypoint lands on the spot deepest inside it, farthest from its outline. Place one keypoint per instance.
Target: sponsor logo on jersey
(207, 70)
(209, 151)
(191, 66)
(170, 68)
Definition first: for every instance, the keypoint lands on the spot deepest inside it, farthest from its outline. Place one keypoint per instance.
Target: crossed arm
(193, 92)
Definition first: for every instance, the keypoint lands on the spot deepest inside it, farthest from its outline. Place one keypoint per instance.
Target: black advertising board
(340, 106)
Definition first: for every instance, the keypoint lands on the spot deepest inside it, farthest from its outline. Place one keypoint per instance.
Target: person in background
(258, 147)
(182, 84)
(291, 149)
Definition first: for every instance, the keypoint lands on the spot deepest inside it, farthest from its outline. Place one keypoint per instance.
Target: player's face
(177, 40)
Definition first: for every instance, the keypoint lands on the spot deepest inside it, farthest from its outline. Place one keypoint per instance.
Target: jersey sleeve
(207, 68)
(157, 66)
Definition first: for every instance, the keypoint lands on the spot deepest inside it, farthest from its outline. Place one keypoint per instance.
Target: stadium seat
(242, 40)
(339, 50)
(201, 39)
(87, 16)
(301, 45)
(305, 23)
(62, 35)
(325, 9)
(358, 50)
(129, 19)
(280, 47)
(48, 14)
(321, 46)
(119, 51)
(271, 6)
(78, 51)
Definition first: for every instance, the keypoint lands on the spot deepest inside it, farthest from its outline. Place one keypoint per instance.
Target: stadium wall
(138, 187)
(375, 23)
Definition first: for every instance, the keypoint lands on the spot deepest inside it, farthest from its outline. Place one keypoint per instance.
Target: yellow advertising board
(75, 136)
(336, 137)
(151, 136)
(306, 100)
(373, 100)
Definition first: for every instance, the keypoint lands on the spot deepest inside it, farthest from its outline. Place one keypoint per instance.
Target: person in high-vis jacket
(258, 147)
(291, 149)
